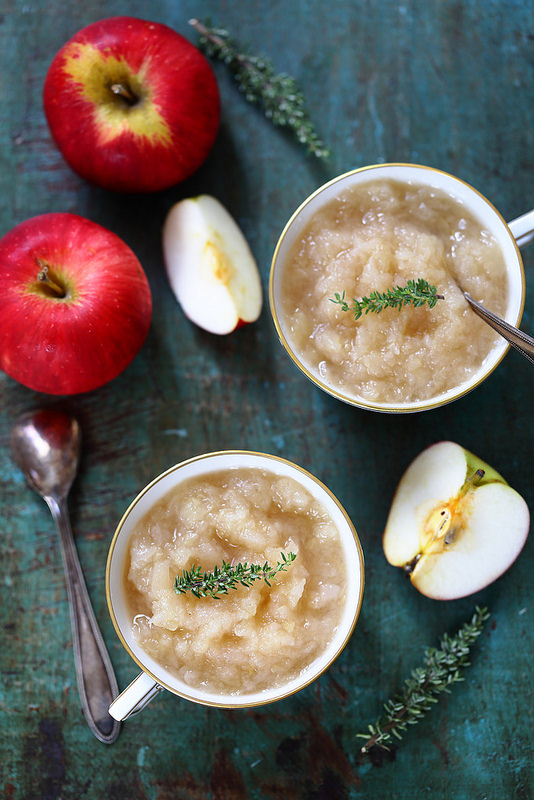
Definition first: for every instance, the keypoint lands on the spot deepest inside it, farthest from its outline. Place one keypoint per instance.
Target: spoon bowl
(46, 446)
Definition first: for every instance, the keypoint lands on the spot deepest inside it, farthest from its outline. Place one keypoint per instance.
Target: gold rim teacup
(155, 677)
(507, 236)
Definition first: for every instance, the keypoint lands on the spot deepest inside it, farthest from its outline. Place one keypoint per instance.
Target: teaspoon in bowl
(521, 341)
(46, 446)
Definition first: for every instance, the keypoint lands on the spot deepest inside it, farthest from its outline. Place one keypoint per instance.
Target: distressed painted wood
(449, 84)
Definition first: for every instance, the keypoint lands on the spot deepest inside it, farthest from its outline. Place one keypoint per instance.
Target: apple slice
(455, 525)
(210, 266)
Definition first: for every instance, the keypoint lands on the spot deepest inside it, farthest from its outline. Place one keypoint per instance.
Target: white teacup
(508, 237)
(155, 677)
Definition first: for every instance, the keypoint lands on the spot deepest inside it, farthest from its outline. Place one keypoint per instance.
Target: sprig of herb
(415, 293)
(228, 576)
(277, 94)
(440, 669)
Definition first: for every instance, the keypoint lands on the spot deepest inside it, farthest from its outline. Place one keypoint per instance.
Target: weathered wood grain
(449, 84)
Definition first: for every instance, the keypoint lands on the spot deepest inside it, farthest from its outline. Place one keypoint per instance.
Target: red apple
(75, 304)
(132, 105)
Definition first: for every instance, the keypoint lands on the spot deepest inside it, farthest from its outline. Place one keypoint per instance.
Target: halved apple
(455, 525)
(210, 266)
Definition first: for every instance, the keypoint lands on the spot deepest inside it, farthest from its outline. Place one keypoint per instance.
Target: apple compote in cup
(374, 229)
(255, 644)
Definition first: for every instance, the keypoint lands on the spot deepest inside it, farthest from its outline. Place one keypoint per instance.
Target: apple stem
(472, 480)
(125, 92)
(43, 277)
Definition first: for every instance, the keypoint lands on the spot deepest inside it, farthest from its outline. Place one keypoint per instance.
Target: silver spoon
(46, 447)
(521, 341)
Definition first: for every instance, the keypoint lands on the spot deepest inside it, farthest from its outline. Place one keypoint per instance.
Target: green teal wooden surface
(450, 85)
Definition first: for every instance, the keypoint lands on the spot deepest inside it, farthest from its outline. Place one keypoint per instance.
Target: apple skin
(150, 144)
(483, 524)
(76, 343)
(210, 266)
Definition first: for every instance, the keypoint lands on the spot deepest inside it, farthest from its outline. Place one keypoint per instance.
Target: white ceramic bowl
(469, 197)
(154, 676)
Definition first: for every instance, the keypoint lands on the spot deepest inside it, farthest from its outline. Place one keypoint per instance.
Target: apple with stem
(132, 105)
(75, 305)
(455, 525)
(210, 266)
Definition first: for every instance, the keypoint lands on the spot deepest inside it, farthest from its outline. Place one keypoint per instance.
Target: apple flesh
(210, 266)
(75, 305)
(132, 105)
(455, 525)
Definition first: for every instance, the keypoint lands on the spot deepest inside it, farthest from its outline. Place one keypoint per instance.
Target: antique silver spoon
(46, 446)
(518, 339)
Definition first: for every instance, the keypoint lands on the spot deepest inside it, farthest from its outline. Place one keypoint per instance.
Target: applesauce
(374, 236)
(254, 638)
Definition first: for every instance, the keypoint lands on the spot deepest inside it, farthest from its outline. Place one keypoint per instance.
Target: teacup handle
(135, 697)
(523, 228)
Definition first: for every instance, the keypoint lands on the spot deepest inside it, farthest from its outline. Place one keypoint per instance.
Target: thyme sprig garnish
(441, 668)
(228, 576)
(277, 94)
(415, 293)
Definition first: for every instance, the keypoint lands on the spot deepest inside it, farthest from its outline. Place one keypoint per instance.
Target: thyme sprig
(228, 576)
(277, 94)
(415, 293)
(441, 668)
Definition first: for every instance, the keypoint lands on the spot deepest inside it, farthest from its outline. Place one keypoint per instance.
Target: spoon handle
(521, 341)
(97, 684)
